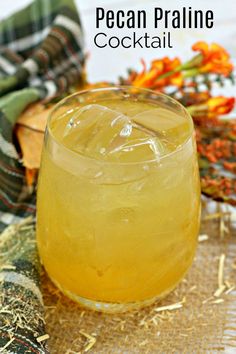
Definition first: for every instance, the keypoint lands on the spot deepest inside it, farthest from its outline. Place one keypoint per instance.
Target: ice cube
(170, 127)
(103, 133)
(95, 128)
(139, 149)
(154, 133)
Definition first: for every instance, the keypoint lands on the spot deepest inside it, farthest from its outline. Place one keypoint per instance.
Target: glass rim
(121, 88)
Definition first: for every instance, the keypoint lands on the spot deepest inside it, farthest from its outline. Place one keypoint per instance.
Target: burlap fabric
(203, 323)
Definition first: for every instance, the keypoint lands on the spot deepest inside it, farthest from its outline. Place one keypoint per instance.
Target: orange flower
(215, 59)
(162, 73)
(213, 107)
(220, 105)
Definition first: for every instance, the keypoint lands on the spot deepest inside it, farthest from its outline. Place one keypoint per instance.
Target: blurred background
(108, 64)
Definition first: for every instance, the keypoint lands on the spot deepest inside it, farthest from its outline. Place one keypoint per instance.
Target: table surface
(108, 64)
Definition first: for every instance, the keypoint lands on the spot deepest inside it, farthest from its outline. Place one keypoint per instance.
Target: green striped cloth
(41, 56)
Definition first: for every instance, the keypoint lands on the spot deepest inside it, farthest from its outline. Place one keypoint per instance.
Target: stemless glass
(113, 235)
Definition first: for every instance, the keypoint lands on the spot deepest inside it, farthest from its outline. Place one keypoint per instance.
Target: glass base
(107, 307)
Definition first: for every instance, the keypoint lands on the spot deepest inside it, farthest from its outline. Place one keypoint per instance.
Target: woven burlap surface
(204, 324)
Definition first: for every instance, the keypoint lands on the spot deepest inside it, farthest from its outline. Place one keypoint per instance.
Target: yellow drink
(118, 198)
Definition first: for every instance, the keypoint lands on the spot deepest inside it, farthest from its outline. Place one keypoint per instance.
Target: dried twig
(221, 271)
(91, 340)
(202, 238)
(171, 307)
(42, 338)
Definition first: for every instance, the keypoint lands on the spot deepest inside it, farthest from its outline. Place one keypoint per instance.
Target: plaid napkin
(41, 56)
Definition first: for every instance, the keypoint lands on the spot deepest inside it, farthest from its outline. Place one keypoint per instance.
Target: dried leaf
(35, 117)
(30, 132)
(31, 143)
